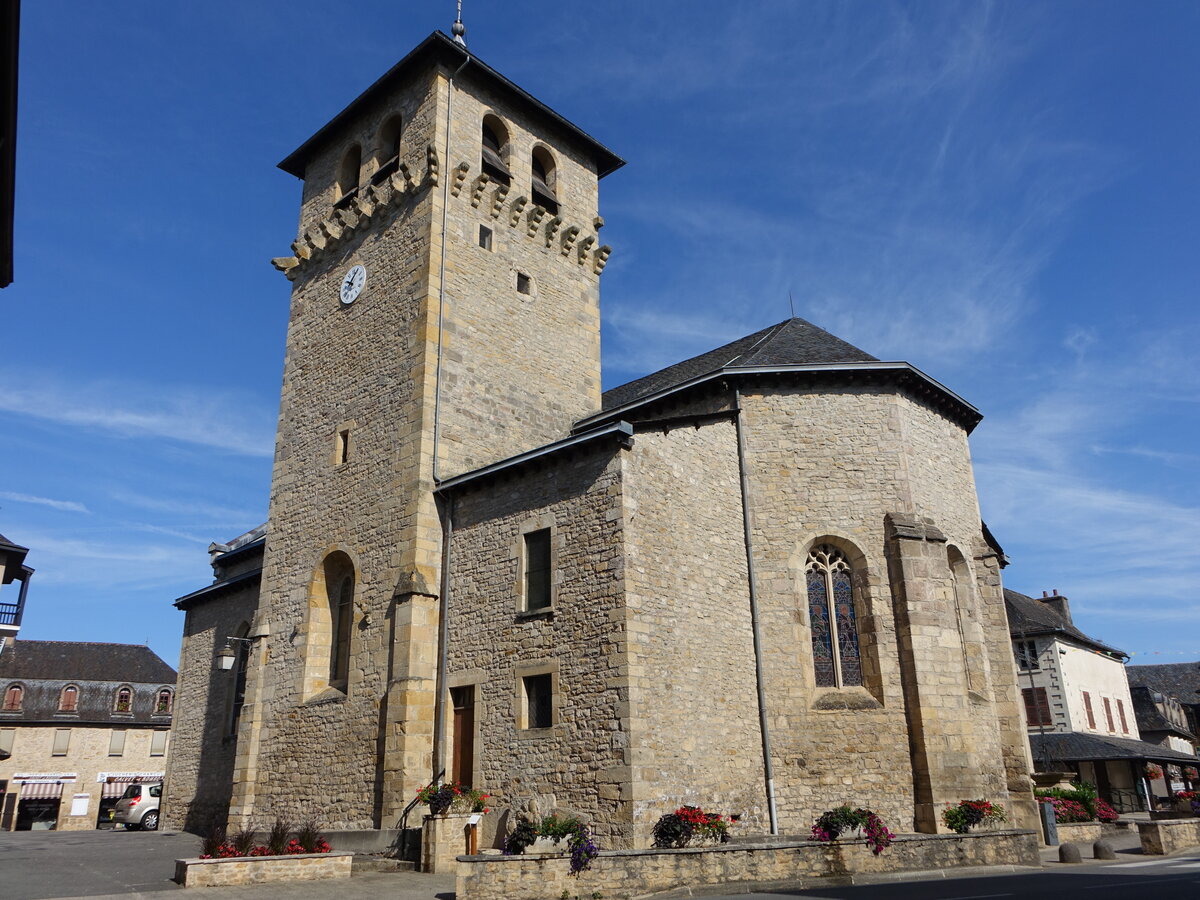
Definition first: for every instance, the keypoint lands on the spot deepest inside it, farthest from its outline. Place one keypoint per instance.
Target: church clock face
(352, 285)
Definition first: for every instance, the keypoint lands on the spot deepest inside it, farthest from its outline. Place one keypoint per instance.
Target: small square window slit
(485, 237)
(524, 283)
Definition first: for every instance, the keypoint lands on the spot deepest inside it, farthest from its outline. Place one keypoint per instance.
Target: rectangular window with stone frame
(539, 700)
(538, 573)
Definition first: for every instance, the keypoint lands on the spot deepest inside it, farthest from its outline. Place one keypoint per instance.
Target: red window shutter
(1087, 704)
(1108, 715)
(1037, 706)
(1121, 712)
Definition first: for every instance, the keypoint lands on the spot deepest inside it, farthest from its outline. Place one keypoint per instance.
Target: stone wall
(519, 369)
(797, 865)
(1169, 836)
(263, 869)
(199, 778)
(692, 694)
(577, 763)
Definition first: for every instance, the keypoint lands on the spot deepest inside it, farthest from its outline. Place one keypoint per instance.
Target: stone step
(369, 862)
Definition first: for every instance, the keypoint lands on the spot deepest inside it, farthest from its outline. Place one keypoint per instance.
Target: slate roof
(1028, 617)
(788, 343)
(1178, 680)
(1149, 716)
(1073, 746)
(438, 47)
(83, 661)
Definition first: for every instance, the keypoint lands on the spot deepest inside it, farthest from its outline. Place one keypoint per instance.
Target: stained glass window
(836, 659)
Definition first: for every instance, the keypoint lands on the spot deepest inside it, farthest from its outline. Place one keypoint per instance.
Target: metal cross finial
(458, 29)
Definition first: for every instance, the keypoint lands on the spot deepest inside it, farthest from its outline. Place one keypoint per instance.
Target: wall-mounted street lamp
(227, 654)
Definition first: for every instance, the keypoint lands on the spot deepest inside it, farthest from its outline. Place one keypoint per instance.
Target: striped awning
(114, 789)
(41, 790)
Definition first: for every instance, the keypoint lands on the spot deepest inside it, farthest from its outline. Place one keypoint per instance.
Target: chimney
(1059, 604)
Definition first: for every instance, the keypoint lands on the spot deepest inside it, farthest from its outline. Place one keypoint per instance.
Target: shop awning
(113, 789)
(41, 790)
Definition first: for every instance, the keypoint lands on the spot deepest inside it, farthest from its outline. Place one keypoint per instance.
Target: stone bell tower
(444, 315)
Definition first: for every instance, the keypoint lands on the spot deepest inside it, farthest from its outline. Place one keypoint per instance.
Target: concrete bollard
(1103, 850)
(1069, 853)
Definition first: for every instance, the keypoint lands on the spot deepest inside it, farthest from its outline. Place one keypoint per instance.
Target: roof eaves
(438, 42)
(237, 552)
(971, 413)
(620, 429)
(214, 590)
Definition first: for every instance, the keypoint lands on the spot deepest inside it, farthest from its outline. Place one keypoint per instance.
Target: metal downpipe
(439, 700)
(764, 730)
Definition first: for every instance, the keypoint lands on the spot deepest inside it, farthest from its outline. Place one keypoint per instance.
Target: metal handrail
(402, 822)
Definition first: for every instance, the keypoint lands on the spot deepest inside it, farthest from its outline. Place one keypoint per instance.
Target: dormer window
(543, 172)
(388, 153)
(495, 143)
(347, 181)
(162, 703)
(13, 697)
(68, 700)
(124, 699)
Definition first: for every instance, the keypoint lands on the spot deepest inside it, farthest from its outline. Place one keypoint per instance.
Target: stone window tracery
(833, 621)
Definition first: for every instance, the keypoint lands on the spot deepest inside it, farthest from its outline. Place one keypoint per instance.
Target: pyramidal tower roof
(792, 342)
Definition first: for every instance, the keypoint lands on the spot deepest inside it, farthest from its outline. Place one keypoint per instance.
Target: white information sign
(79, 804)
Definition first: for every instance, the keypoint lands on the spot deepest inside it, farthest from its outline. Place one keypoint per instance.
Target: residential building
(12, 568)
(79, 722)
(1167, 704)
(1078, 708)
(754, 581)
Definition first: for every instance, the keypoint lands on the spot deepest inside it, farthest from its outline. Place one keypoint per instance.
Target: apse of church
(755, 581)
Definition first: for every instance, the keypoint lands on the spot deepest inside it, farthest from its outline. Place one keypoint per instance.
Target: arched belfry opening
(494, 140)
(543, 176)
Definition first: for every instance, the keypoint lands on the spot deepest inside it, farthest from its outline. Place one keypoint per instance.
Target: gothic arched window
(836, 659)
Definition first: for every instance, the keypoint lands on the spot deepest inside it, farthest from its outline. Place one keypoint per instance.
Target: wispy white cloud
(63, 505)
(223, 420)
(188, 507)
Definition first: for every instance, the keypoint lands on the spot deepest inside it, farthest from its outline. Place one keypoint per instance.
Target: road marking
(976, 896)
(1101, 887)
(1155, 862)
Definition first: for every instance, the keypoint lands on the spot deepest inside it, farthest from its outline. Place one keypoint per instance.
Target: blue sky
(1004, 194)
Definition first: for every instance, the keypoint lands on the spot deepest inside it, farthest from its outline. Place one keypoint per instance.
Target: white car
(138, 806)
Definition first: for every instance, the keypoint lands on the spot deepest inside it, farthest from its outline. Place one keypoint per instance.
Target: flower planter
(547, 845)
(261, 869)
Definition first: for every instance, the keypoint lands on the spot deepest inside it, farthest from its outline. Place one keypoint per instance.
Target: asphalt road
(38, 865)
(1170, 878)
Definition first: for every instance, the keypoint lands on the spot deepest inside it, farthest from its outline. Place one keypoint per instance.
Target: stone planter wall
(263, 869)
(443, 840)
(1087, 832)
(1169, 835)
(620, 874)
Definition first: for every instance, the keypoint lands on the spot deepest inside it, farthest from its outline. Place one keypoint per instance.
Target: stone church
(755, 581)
